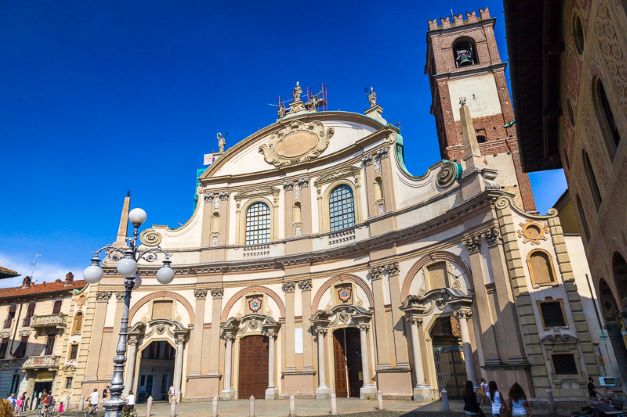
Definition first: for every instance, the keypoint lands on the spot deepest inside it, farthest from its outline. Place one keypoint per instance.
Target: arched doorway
(253, 366)
(448, 355)
(156, 371)
(347, 362)
(610, 311)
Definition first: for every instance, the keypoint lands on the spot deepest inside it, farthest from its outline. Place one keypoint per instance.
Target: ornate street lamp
(126, 258)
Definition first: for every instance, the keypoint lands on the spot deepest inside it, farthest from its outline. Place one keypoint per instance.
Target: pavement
(306, 408)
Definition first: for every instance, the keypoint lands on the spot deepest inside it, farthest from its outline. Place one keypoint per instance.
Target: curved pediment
(295, 141)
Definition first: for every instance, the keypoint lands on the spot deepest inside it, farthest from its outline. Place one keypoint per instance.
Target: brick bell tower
(463, 62)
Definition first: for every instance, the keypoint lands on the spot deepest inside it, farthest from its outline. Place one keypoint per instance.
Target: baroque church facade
(314, 262)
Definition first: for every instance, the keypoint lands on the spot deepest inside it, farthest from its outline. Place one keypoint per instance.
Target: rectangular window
(552, 314)
(9, 321)
(29, 314)
(564, 364)
(73, 351)
(4, 344)
(56, 308)
(68, 382)
(20, 351)
(49, 345)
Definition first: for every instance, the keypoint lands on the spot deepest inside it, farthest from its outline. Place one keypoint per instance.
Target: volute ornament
(150, 238)
(449, 172)
(297, 142)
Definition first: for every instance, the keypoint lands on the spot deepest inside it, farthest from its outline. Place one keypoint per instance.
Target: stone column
(322, 392)
(422, 391)
(305, 289)
(288, 335)
(227, 392)
(462, 316)
(95, 344)
(130, 364)
(178, 365)
(196, 342)
(272, 392)
(368, 391)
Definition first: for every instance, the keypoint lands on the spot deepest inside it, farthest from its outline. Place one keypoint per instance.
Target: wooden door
(253, 367)
(353, 361)
(339, 353)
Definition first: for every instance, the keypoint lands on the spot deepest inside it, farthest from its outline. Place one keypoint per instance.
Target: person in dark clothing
(471, 405)
(592, 391)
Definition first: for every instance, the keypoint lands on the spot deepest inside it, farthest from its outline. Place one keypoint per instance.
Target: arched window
(464, 52)
(341, 208)
(541, 268)
(592, 180)
(619, 270)
(77, 326)
(258, 224)
(605, 117)
(582, 217)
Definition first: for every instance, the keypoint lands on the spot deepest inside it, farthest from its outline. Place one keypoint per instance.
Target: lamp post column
(113, 407)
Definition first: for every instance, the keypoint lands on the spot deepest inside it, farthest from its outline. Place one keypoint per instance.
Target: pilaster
(95, 344)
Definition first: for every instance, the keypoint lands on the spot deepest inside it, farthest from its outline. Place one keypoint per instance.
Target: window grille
(341, 208)
(257, 224)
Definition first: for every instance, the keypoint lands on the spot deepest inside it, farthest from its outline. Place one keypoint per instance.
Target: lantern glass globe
(127, 267)
(137, 216)
(165, 275)
(92, 274)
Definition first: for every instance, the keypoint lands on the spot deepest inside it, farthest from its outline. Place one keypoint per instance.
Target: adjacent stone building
(570, 89)
(40, 337)
(314, 262)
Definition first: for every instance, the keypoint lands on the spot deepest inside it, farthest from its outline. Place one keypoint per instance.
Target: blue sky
(103, 97)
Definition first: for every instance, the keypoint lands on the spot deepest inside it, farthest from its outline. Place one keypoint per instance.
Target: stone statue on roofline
(372, 97)
(221, 141)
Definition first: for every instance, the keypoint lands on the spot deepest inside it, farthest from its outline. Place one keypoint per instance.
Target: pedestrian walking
(471, 405)
(12, 400)
(592, 390)
(496, 399)
(518, 404)
(483, 389)
(61, 408)
(171, 394)
(19, 404)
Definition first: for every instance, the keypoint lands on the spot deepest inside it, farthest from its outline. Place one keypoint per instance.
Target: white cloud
(43, 271)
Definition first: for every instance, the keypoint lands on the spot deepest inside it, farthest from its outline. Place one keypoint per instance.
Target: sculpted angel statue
(221, 141)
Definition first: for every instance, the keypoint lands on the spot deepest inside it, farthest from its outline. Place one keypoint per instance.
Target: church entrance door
(253, 367)
(347, 354)
(448, 356)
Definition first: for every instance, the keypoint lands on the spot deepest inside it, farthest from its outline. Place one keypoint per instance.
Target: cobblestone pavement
(280, 408)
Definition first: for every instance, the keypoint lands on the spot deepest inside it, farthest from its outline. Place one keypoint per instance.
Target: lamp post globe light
(127, 259)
